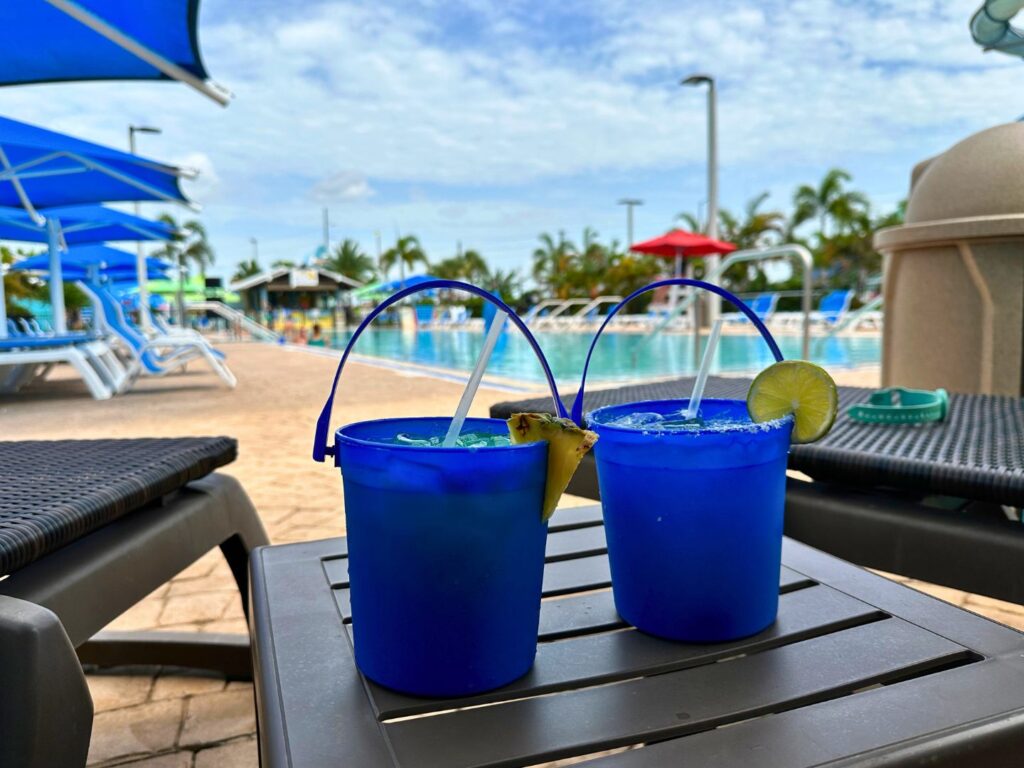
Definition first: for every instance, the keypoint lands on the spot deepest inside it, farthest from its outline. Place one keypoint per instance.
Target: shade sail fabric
(377, 289)
(55, 169)
(44, 44)
(103, 258)
(679, 242)
(83, 224)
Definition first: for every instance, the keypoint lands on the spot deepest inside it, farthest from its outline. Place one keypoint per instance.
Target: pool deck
(165, 718)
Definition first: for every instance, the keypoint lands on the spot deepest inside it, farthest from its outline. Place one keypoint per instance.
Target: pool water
(618, 356)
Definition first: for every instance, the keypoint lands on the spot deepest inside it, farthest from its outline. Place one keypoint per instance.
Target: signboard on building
(304, 278)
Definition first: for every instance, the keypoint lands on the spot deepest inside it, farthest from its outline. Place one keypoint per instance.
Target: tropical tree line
(833, 220)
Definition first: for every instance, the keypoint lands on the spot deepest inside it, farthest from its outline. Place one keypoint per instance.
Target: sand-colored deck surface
(161, 718)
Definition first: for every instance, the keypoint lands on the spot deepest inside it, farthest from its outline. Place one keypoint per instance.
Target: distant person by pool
(316, 339)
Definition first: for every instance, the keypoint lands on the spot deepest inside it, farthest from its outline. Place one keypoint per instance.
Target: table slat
(591, 612)
(671, 704)
(593, 659)
(917, 709)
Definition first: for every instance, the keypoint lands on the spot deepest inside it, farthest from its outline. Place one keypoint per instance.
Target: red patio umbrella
(680, 244)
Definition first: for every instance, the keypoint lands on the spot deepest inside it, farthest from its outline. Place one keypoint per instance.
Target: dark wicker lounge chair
(939, 502)
(87, 529)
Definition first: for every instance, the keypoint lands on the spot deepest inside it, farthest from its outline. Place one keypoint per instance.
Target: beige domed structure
(954, 276)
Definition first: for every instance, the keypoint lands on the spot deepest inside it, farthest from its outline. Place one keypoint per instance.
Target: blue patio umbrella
(102, 258)
(44, 169)
(63, 40)
(85, 224)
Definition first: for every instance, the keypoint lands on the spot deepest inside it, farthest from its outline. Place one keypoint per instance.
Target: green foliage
(834, 221)
(564, 270)
(245, 269)
(21, 285)
(406, 252)
(348, 259)
(190, 242)
(469, 266)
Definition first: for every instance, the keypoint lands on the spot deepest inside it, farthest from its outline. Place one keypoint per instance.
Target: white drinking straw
(474, 380)
(702, 374)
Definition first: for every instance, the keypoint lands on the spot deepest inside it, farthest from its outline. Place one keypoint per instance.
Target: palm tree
(506, 284)
(474, 266)
(406, 253)
(283, 264)
(551, 262)
(756, 229)
(189, 241)
(245, 269)
(829, 201)
(349, 259)
(691, 223)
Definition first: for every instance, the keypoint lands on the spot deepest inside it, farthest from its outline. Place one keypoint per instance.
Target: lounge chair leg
(92, 380)
(45, 708)
(237, 554)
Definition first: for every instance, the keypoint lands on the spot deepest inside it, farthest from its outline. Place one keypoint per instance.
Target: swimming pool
(618, 356)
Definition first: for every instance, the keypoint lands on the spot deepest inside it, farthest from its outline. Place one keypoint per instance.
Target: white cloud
(341, 187)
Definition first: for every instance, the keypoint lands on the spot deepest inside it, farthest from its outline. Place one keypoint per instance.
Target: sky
(487, 122)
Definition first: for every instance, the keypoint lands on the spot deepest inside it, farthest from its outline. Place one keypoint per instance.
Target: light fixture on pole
(714, 302)
(140, 259)
(630, 204)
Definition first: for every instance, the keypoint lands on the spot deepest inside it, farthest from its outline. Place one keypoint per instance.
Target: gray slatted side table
(858, 670)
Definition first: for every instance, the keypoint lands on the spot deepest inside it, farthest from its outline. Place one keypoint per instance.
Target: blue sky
(490, 121)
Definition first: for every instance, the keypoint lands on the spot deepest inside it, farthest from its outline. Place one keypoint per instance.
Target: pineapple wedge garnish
(567, 445)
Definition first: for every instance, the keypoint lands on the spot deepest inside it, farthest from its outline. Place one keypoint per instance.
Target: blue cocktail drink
(693, 498)
(446, 553)
(445, 543)
(693, 515)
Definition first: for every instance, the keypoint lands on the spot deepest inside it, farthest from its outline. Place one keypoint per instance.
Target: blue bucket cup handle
(323, 424)
(577, 405)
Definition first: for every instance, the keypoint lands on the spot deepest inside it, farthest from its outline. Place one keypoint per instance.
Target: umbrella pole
(3, 305)
(677, 273)
(60, 323)
(179, 298)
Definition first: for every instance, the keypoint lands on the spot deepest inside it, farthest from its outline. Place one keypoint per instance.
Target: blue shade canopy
(43, 169)
(121, 275)
(102, 257)
(82, 224)
(64, 40)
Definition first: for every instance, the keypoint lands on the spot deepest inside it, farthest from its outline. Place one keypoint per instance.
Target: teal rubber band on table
(897, 405)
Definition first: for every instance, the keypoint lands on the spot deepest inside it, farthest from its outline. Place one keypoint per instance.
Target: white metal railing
(233, 316)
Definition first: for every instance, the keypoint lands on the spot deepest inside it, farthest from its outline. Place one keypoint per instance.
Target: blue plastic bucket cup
(693, 520)
(693, 517)
(445, 545)
(446, 556)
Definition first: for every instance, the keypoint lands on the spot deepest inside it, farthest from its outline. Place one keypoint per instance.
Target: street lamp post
(714, 302)
(140, 259)
(630, 204)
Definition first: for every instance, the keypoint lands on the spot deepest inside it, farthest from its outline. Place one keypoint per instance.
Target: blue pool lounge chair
(24, 359)
(833, 307)
(156, 356)
(763, 305)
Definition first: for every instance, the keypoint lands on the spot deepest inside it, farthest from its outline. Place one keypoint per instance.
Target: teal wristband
(897, 405)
